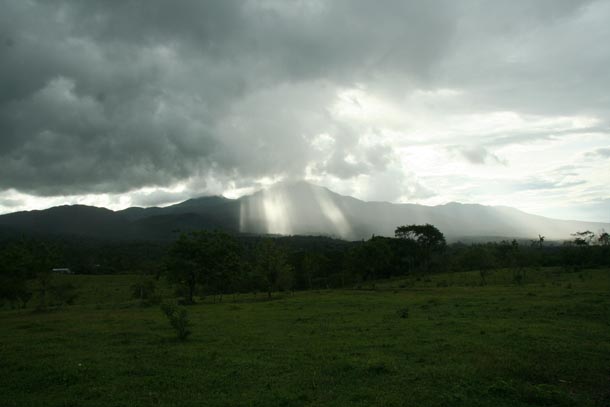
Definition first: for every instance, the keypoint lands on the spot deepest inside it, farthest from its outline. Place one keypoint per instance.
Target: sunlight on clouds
(360, 106)
(424, 160)
(29, 202)
(234, 193)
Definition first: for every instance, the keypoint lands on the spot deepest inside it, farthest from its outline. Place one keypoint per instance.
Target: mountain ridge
(290, 209)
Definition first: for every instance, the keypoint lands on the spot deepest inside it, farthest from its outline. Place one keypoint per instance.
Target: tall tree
(428, 239)
(225, 277)
(604, 238)
(202, 258)
(22, 261)
(272, 267)
(583, 238)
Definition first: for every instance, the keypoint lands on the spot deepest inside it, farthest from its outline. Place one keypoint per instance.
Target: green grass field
(544, 343)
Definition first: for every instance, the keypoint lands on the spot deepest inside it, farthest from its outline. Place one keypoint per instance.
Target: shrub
(178, 319)
(53, 293)
(144, 291)
(14, 291)
(403, 312)
(518, 279)
(63, 293)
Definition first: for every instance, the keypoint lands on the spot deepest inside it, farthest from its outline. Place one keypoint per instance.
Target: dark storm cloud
(108, 96)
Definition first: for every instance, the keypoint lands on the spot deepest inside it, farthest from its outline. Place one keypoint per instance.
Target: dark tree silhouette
(272, 267)
(424, 235)
(200, 258)
(25, 260)
(583, 238)
(604, 238)
(427, 238)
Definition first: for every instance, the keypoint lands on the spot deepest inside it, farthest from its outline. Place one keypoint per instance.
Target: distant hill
(296, 208)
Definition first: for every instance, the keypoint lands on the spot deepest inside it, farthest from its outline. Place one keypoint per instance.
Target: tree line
(216, 263)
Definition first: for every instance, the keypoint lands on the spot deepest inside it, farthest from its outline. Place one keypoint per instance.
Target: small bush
(378, 368)
(50, 293)
(64, 293)
(403, 312)
(180, 291)
(178, 319)
(144, 291)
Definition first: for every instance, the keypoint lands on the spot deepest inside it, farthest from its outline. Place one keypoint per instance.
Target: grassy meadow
(441, 340)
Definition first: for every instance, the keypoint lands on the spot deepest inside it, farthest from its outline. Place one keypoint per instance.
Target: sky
(143, 103)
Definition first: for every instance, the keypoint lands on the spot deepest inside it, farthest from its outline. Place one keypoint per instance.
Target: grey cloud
(379, 156)
(559, 179)
(536, 57)
(477, 155)
(350, 160)
(109, 96)
(10, 203)
(340, 166)
(598, 153)
(158, 198)
(566, 171)
(534, 184)
(521, 137)
(518, 136)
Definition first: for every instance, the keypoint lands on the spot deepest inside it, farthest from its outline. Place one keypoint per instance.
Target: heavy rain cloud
(145, 102)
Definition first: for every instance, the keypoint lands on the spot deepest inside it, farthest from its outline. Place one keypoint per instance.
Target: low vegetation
(408, 342)
(217, 264)
(178, 319)
(276, 322)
